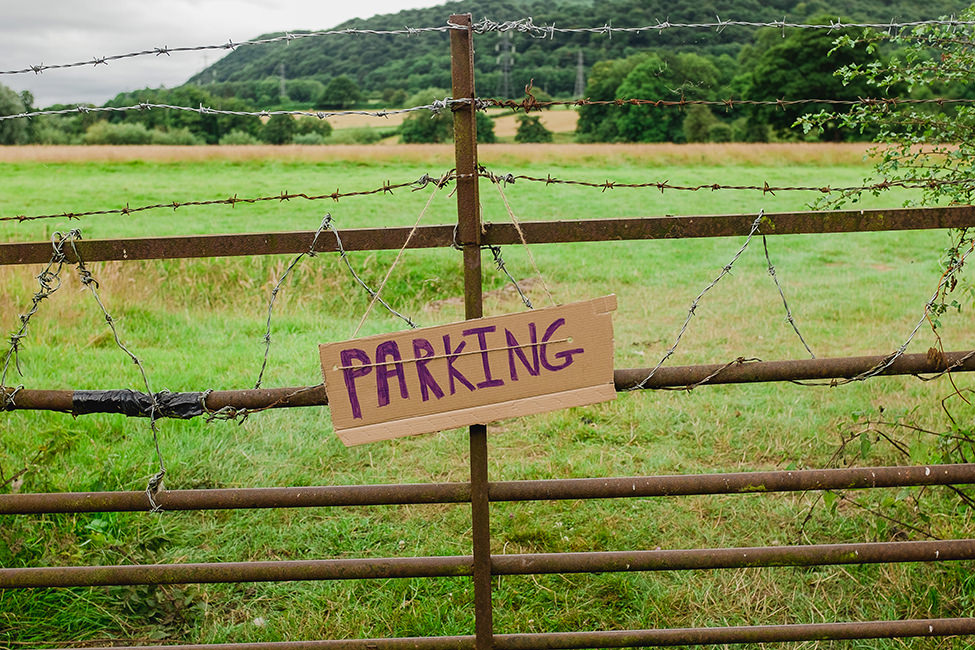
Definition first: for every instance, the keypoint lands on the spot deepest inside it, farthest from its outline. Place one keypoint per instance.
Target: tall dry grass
(736, 153)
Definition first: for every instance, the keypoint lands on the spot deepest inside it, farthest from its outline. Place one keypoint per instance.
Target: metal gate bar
(623, 639)
(515, 564)
(498, 491)
(625, 379)
(536, 232)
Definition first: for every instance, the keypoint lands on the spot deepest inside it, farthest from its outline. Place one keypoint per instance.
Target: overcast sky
(48, 32)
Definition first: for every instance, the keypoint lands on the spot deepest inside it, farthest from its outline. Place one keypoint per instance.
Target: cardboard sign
(472, 372)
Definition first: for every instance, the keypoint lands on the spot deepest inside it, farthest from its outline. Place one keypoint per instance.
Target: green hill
(410, 63)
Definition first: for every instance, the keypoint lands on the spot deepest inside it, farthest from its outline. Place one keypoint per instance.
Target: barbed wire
(765, 188)
(527, 26)
(386, 188)
(694, 304)
(277, 287)
(785, 303)
(435, 108)
(50, 281)
(500, 265)
(372, 293)
(155, 482)
(288, 37)
(484, 26)
(531, 104)
(947, 277)
(481, 103)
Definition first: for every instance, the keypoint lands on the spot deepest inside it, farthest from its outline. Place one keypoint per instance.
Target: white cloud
(64, 31)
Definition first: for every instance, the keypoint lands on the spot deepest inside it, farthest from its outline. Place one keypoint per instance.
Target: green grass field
(200, 324)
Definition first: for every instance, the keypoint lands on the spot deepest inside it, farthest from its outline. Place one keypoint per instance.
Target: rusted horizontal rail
(527, 564)
(536, 232)
(931, 627)
(625, 378)
(502, 491)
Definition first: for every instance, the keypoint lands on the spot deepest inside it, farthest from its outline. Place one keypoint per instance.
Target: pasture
(199, 324)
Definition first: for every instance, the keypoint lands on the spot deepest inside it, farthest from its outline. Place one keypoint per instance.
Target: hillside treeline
(346, 71)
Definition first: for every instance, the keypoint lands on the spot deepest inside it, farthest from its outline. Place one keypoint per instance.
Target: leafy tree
(801, 67)
(531, 129)
(932, 146)
(648, 80)
(279, 129)
(313, 125)
(698, 122)
(104, 132)
(13, 131)
(340, 93)
(595, 123)
(394, 96)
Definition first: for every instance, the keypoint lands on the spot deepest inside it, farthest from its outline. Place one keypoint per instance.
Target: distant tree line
(763, 65)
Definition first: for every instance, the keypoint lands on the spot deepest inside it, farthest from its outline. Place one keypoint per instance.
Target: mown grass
(199, 324)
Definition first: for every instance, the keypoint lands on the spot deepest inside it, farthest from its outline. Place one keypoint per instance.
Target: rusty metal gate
(480, 492)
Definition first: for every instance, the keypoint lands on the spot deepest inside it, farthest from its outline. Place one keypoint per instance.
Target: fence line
(764, 189)
(528, 104)
(435, 108)
(450, 176)
(527, 26)
(233, 403)
(500, 234)
(386, 188)
(523, 25)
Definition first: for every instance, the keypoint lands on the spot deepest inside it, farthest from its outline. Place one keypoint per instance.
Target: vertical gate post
(469, 238)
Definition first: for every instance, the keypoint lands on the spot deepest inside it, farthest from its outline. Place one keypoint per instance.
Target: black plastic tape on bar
(135, 404)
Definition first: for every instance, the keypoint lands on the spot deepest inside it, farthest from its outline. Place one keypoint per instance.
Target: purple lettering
(515, 348)
(351, 373)
(481, 334)
(567, 355)
(389, 350)
(427, 382)
(453, 373)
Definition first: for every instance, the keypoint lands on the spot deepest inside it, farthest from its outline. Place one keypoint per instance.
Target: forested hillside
(378, 64)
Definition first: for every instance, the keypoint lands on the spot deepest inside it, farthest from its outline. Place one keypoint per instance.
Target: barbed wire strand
(399, 255)
(311, 252)
(424, 180)
(527, 26)
(500, 265)
(89, 282)
(373, 294)
(521, 234)
(886, 362)
(531, 104)
(785, 303)
(434, 108)
(528, 104)
(765, 188)
(288, 37)
(386, 188)
(49, 281)
(693, 309)
(485, 26)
